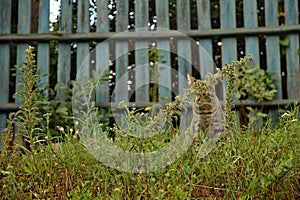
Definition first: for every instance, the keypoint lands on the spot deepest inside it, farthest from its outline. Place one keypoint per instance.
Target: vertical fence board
(183, 45)
(164, 79)
(229, 45)
(43, 58)
(205, 45)
(252, 42)
(250, 20)
(272, 43)
(5, 10)
(64, 49)
(102, 52)
(121, 89)
(273, 50)
(292, 54)
(24, 19)
(141, 53)
(83, 26)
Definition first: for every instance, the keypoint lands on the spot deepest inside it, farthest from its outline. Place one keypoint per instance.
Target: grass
(244, 164)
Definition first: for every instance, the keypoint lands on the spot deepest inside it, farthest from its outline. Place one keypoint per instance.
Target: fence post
(141, 53)
(24, 19)
(229, 45)
(252, 42)
(43, 59)
(121, 89)
(164, 79)
(273, 51)
(183, 45)
(64, 49)
(102, 51)
(292, 54)
(206, 62)
(83, 26)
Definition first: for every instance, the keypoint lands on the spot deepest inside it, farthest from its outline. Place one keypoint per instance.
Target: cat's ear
(191, 80)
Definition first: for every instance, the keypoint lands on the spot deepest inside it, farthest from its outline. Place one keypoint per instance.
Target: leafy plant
(245, 166)
(28, 116)
(254, 83)
(249, 82)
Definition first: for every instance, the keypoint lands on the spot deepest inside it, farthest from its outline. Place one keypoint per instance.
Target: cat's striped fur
(208, 116)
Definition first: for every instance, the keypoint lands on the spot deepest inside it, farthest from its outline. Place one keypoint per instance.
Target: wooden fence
(224, 30)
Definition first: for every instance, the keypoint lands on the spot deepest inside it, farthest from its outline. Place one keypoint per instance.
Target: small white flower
(285, 115)
(294, 120)
(60, 128)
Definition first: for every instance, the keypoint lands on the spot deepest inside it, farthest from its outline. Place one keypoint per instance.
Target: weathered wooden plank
(252, 43)
(121, 89)
(141, 52)
(23, 27)
(273, 51)
(64, 49)
(272, 43)
(102, 52)
(250, 20)
(183, 45)
(164, 79)
(224, 33)
(43, 59)
(229, 45)
(206, 64)
(83, 26)
(5, 19)
(292, 54)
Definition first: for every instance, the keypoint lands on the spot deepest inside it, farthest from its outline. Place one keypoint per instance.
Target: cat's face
(200, 88)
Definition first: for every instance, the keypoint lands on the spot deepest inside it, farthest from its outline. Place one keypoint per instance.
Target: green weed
(241, 166)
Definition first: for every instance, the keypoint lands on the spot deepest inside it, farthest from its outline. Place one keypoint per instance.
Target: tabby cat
(208, 116)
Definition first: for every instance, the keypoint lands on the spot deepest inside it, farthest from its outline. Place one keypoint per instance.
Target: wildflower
(11, 115)
(294, 120)
(285, 115)
(60, 128)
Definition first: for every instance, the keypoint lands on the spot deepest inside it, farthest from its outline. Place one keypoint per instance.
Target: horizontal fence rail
(142, 35)
(221, 31)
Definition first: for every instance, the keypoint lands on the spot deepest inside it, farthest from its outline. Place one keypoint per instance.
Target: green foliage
(244, 166)
(246, 81)
(255, 83)
(284, 43)
(28, 116)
